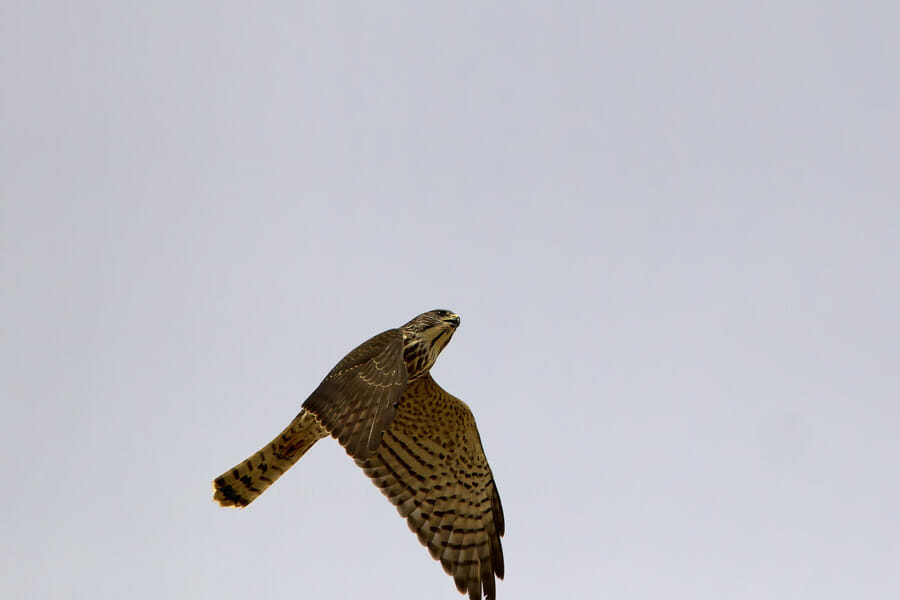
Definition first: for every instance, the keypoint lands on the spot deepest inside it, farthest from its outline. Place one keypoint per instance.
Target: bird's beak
(453, 320)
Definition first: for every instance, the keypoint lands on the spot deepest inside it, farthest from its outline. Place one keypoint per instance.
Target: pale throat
(421, 353)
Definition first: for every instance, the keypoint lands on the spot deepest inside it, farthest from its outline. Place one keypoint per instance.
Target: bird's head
(423, 339)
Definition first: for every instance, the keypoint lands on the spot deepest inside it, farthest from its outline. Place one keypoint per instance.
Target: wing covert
(357, 400)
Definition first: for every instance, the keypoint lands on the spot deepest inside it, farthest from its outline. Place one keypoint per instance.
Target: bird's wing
(357, 400)
(432, 467)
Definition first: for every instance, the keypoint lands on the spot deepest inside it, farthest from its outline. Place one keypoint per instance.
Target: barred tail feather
(241, 485)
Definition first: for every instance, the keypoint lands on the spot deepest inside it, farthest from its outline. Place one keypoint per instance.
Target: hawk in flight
(416, 442)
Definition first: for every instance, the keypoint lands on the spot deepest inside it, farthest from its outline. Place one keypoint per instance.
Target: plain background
(671, 231)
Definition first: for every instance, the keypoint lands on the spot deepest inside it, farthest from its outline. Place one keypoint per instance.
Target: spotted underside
(432, 467)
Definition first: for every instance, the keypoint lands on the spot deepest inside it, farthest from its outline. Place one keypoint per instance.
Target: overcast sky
(670, 229)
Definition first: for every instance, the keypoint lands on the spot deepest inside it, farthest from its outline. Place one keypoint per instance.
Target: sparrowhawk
(416, 442)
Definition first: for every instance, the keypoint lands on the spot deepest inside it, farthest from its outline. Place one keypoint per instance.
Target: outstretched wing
(432, 467)
(357, 400)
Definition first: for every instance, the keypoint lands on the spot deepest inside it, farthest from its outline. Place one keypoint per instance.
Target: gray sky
(671, 231)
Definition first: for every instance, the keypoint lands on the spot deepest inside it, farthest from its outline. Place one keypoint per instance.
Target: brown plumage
(417, 443)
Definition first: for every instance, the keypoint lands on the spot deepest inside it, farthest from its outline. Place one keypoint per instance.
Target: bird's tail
(241, 485)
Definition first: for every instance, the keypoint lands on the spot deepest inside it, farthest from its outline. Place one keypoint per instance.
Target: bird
(416, 442)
